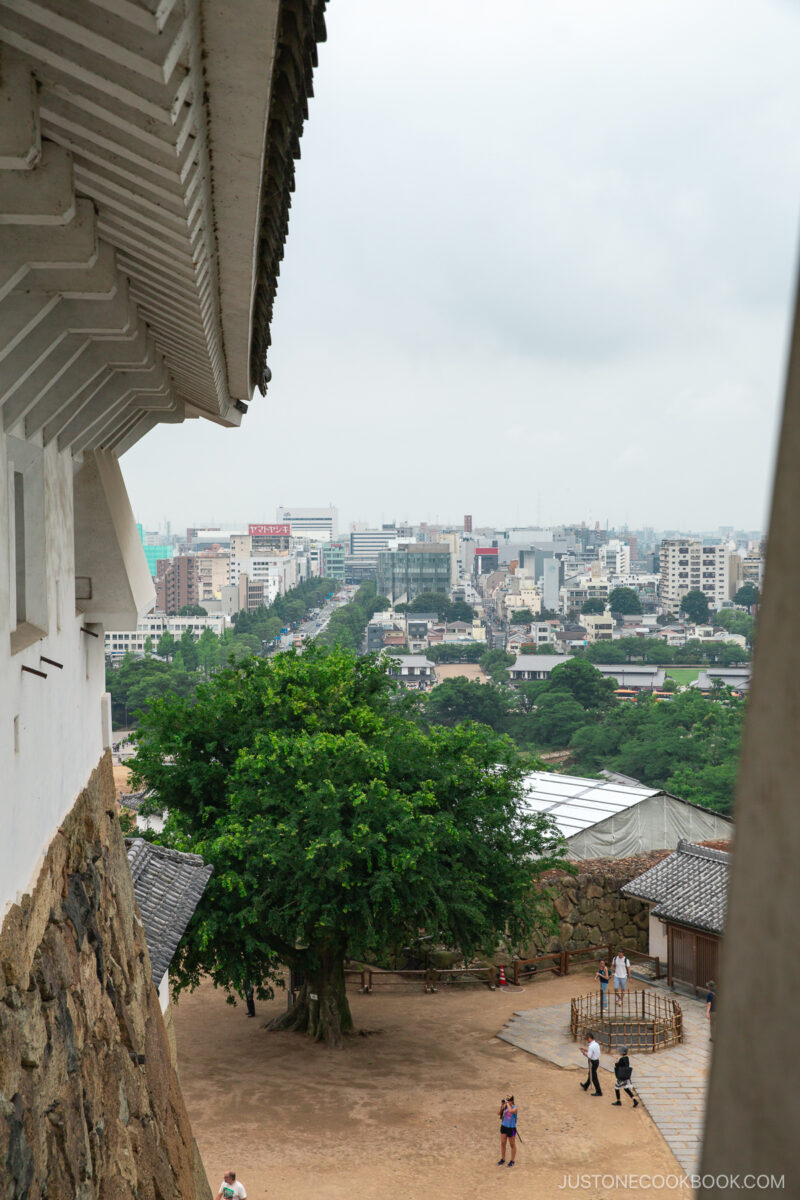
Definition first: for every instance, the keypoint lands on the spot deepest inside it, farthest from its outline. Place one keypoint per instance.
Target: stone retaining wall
(90, 1106)
(590, 908)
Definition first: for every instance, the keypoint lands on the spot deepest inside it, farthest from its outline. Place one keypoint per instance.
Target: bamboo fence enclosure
(642, 1021)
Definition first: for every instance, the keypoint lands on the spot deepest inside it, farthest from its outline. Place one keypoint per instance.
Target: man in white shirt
(592, 1053)
(230, 1188)
(622, 970)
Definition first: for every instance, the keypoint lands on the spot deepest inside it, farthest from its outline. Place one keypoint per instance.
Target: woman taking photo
(508, 1129)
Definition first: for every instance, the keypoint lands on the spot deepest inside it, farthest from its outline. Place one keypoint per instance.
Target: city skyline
(530, 296)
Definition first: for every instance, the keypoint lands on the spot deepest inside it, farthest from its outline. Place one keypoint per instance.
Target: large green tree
(625, 601)
(337, 827)
(747, 595)
(594, 605)
(459, 699)
(695, 605)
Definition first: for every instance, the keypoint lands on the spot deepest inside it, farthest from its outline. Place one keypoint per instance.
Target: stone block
(594, 891)
(85, 1119)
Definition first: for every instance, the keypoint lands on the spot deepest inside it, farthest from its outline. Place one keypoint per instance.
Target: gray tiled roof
(690, 887)
(133, 800)
(168, 886)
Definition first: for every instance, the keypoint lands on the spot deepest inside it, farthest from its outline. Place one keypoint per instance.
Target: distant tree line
(174, 666)
(688, 745)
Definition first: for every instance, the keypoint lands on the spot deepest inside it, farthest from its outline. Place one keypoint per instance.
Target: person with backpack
(508, 1129)
(622, 970)
(622, 1077)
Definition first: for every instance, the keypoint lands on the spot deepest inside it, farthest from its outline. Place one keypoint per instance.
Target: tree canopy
(748, 595)
(441, 604)
(347, 624)
(624, 600)
(192, 610)
(695, 605)
(337, 827)
(521, 616)
(594, 606)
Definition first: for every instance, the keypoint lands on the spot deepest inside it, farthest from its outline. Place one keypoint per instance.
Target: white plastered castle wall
(54, 725)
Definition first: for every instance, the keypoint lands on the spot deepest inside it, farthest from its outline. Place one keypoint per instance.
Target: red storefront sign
(269, 530)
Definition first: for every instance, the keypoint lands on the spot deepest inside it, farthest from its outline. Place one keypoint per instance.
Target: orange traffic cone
(502, 981)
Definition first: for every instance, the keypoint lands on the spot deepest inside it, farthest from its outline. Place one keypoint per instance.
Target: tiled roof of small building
(133, 800)
(168, 885)
(690, 887)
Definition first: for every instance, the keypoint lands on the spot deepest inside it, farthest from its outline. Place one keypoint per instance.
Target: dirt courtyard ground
(460, 671)
(408, 1112)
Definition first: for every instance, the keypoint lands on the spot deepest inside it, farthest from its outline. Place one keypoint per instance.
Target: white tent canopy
(605, 819)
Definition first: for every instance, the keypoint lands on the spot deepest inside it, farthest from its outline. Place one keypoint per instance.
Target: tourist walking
(711, 1007)
(622, 970)
(623, 1072)
(231, 1188)
(507, 1113)
(602, 977)
(591, 1051)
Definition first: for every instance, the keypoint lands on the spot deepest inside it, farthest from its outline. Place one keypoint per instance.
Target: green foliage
(148, 646)
(624, 600)
(748, 595)
(437, 602)
(188, 649)
(583, 682)
(688, 745)
(192, 610)
(695, 605)
(347, 624)
(521, 616)
(597, 606)
(736, 622)
(336, 825)
(456, 652)
(459, 699)
(137, 682)
(293, 606)
(496, 663)
(166, 645)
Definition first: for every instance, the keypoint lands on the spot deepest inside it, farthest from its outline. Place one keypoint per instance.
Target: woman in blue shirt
(507, 1113)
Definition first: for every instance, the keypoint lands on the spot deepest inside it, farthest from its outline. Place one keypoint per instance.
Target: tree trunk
(321, 1009)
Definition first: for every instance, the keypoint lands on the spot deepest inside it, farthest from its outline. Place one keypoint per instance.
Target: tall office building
(368, 543)
(319, 524)
(688, 566)
(409, 570)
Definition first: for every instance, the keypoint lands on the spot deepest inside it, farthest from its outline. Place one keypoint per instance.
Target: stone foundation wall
(591, 910)
(90, 1106)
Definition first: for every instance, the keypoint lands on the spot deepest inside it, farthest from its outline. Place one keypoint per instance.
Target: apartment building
(177, 583)
(599, 627)
(615, 557)
(213, 574)
(687, 566)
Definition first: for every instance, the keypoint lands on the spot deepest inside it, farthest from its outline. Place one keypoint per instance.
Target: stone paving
(670, 1083)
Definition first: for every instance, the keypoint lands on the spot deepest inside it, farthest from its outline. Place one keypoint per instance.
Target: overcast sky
(540, 265)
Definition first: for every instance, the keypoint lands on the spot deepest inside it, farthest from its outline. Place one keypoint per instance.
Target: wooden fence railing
(595, 951)
(659, 969)
(559, 962)
(526, 968)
